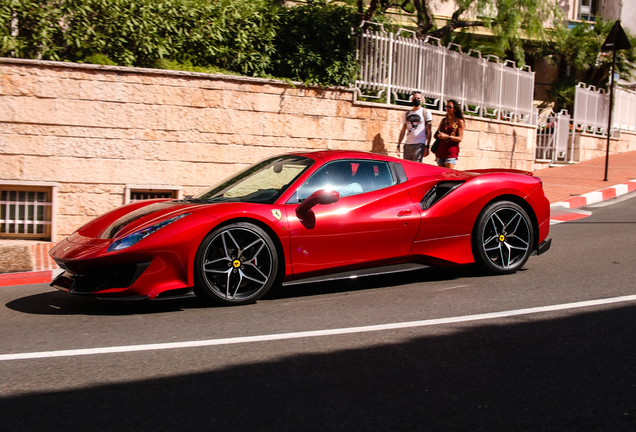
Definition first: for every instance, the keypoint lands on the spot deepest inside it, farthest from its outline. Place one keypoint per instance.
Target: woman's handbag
(435, 145)
(437, 140)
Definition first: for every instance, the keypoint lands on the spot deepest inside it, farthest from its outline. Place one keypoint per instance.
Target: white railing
(398, 64)
(553, 131)
(624, 110)
(591, 110)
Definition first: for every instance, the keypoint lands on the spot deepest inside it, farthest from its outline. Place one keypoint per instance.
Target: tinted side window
(373, 175)
(348, 178)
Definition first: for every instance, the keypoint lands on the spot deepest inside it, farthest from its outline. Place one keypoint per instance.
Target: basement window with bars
(140, 193)
(25, 212)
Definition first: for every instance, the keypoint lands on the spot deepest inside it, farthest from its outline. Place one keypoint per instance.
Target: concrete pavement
(568, 187)
(565, 183)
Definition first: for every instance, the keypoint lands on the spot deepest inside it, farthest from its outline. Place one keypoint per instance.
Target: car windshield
(261, 183)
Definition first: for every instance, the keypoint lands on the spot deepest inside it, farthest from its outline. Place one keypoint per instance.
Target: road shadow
(59, 303)
(568, 374)
(431, 274)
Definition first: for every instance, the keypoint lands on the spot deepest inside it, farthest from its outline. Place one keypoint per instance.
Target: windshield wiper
(216, 199)
(191, 199)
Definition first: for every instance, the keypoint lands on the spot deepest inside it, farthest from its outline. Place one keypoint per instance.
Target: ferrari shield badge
(276, 214)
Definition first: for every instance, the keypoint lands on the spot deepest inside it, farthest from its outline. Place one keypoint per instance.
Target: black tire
(503, 238)
(235, 264)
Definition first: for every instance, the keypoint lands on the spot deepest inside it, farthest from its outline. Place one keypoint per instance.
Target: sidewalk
(567, 187)
(564, 183)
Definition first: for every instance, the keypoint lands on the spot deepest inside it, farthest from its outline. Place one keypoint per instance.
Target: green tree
(510, 21)
(576, 55)
(235, 34)
(311, 43)
(315, 43)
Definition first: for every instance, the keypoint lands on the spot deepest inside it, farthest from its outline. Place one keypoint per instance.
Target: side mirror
(321, 196)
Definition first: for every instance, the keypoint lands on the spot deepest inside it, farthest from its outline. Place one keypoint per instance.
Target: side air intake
(438, 192)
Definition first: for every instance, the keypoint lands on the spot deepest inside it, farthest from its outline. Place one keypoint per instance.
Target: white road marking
(453, 287)
(315, 333)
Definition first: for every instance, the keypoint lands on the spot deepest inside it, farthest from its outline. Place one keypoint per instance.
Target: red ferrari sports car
(304, 217)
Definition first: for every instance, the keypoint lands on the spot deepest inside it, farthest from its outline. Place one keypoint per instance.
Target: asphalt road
(527, 369)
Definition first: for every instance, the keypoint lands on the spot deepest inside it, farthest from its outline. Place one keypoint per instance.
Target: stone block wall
(588, 146)
(16, 258)
(93, 129)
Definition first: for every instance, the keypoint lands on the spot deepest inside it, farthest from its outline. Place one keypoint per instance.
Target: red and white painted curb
(558, 212)
(27, 278)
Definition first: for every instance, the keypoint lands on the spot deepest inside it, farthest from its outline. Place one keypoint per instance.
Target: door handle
(404, 213)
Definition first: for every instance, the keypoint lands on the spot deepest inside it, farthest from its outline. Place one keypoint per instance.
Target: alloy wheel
(238, 264)
(506, 238)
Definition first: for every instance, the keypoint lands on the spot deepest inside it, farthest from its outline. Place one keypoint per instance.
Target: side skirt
(395, 268)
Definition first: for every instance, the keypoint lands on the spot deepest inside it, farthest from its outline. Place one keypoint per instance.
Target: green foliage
(576, 55)
(511, 22)
(562, 92)
(7, 42)
(189, 67)
(468, 41)
(99, 59)
(227, 34)
(316, 44)
(249, 37)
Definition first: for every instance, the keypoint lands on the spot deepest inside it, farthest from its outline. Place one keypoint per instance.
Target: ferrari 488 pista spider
(304, 217)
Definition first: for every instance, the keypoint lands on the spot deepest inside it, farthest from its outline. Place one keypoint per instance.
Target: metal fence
(624, 110)
(553, 131)
(393, 65)
(591, 110)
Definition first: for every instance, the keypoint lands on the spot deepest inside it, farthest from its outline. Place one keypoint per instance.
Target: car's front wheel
(235, 264)
(503, 238)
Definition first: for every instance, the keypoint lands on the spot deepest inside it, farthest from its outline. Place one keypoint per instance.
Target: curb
(597, 196)
(27, 278)
(559, 212)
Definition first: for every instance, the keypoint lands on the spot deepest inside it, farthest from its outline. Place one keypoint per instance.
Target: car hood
(143, 216)
(129, 218)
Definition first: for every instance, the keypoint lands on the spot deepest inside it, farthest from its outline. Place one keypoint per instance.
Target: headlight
(134, 238)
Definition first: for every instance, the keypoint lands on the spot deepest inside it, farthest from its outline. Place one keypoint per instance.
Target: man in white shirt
(417, 127)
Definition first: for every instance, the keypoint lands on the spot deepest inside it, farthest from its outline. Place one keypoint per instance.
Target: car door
(373, 222)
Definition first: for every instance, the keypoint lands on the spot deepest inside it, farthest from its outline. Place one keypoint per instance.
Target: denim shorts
(442, 162)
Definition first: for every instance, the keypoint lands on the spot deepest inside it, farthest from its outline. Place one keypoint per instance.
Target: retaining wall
(588, 146)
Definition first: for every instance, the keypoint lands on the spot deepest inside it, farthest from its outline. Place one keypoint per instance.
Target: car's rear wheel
(235, 264)
(503, 238)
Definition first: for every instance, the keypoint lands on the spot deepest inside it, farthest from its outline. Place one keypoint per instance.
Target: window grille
(139, 195)
(25, 212)
(140, 192)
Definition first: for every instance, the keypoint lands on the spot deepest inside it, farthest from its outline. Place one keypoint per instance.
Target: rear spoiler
(497, 170)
